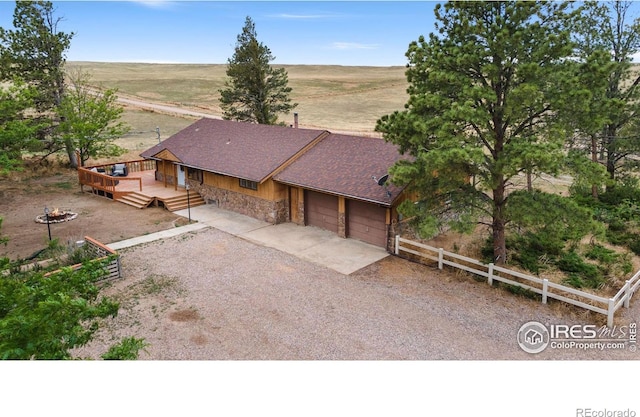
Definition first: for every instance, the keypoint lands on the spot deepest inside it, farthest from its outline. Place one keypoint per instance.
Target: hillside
(332, 97)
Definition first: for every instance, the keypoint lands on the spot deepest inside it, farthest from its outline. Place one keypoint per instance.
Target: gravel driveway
(209, 295)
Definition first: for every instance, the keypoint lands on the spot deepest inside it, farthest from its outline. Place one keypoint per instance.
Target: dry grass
(330, 97)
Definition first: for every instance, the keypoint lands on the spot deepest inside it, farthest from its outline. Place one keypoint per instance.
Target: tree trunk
(498, 225)
(71, 152)
(594, 158)
(610, 150)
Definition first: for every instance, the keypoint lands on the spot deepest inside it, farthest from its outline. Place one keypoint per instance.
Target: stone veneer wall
(300, 213)
(269, 211)
(342, 225)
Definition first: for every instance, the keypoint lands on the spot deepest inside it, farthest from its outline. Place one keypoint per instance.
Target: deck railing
(99, 176)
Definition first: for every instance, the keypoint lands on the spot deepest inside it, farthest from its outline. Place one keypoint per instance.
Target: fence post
(440, 257)
(397, 251)
(610, 313)
(490, 273)
(627, 293)
(545, 288)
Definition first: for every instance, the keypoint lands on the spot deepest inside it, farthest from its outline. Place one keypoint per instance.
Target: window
(252, 185)
(195, 174)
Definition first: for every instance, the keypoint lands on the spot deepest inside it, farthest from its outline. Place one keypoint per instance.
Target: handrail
(132, 166)
(103, 181)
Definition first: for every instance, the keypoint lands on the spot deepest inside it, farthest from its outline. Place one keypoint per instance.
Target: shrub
(634, 244)
(580, 272)
(601, 254)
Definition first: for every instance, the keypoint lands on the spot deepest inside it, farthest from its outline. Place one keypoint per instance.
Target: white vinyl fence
(602, 305)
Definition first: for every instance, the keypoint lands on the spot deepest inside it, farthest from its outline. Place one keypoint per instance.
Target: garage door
(367, 222)
(321, 210)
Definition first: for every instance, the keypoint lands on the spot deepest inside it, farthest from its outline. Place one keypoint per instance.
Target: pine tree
(255, 92)
(34, 51)
(483, 97)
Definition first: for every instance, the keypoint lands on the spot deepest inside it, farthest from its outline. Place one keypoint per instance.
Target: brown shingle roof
(345, 165)
(242, 150)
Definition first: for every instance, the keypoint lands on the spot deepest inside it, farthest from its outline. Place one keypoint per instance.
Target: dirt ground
(23, 197)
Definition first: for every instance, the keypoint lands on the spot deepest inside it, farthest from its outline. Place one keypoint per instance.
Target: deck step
(136, 200)
(181, 202)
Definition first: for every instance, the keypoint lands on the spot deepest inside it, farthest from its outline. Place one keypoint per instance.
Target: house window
(195, 174)
(252, 185)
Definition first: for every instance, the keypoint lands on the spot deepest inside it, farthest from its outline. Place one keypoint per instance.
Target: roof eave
(350, 196)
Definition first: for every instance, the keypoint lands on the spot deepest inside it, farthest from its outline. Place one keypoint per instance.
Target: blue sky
(368, 33)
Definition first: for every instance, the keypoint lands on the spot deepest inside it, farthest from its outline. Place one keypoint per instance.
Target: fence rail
(542, 286)
(101, 253)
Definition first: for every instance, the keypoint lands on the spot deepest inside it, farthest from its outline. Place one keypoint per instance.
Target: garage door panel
(321, 210)
(367, 222)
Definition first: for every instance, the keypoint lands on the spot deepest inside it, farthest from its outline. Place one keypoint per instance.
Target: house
(284, 174)
(232, 164)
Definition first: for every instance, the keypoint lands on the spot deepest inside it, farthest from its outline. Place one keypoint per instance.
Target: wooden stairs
(181, 202)
(136, 200)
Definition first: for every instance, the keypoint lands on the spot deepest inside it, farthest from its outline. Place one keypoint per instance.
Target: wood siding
(268, 190)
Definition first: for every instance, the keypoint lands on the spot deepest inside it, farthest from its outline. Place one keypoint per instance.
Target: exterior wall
(226, 193)
(166, 172)
(296, 207)
(342, 217)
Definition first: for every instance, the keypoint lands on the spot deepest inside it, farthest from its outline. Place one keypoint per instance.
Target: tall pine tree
(483, 92)
(34, 51)
(255, 91)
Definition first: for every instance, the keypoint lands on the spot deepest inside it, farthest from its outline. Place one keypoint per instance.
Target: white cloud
(353, 45)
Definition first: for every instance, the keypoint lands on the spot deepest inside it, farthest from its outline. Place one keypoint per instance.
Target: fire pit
(56, 216)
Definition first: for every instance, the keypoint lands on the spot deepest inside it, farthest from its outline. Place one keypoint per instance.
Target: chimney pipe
(295, 120)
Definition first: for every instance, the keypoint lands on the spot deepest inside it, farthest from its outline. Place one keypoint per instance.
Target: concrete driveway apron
(309, 243)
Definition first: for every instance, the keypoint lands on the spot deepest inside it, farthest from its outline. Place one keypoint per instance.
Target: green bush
(601, 254)
(574, 280)
(634, 244)
(127, 349)
(580, 272)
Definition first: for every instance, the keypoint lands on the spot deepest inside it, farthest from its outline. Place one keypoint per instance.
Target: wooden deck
(147, 191)
(139, 189)
(150, 187)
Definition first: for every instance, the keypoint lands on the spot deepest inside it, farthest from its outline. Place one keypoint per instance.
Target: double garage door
(364, 221)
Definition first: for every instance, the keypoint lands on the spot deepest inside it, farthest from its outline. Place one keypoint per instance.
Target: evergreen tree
(18, 131)
(483, 98)
(34, 51)
(255, 92)
(606, 40)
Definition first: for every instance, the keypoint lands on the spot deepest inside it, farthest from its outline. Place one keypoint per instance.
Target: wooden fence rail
(101, 252)
(542, 286)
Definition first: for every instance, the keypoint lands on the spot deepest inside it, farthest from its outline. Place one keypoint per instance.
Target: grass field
(335, 98)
